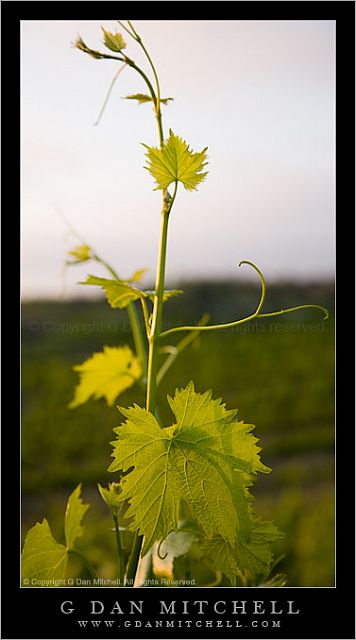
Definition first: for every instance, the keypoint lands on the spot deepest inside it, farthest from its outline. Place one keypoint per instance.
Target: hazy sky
(259, 94)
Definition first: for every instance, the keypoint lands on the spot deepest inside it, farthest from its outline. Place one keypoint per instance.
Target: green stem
(256, 314)
(153, 342)
(156, 323)
(140, 345)
(153, 69)
(120, 552)
(127, 30)
(155, 329)
(236, 323)
(152, 375)
(263, 284)
(303, 306)
(158, 100)
(86, 562)
(145, 316)
(106, 265)
(133, 560)
(132, 64)
(156, 319)
(135, 34)
(103, 56)
(155, 99)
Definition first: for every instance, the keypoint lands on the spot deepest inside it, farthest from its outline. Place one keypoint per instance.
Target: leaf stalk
(120, 551)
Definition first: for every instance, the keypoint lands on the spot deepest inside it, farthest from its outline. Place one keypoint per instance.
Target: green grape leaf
(113, 41)
(236, 443)
(111, 496)
(42, 557)
(249, 558)
(176, 162)
(118, 292)
(81, 253)
(170, 293)
(202, 459)
(143, 97)
(74, 515)
(106, 375)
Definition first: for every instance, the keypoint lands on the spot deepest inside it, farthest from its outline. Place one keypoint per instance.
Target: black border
(326, 612)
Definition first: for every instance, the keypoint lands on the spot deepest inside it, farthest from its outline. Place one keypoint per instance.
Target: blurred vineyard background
(278, 373)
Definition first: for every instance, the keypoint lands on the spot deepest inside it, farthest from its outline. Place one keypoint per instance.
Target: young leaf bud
(113, 41)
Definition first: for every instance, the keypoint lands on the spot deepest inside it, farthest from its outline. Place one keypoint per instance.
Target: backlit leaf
(111, 496)
(74, 515)
(118, 292)
(113, 41)
(81, 253)
(106, 375)
(201, 459)
(250, 558)
(138, 275)
(42, 557)
(176, 162)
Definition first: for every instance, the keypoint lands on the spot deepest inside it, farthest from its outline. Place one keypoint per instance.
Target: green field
(279, 374)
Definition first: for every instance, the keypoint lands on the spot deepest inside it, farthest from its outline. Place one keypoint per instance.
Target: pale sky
(259, 94)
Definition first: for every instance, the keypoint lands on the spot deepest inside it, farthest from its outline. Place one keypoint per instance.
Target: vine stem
(155, 330)
(120, 551)
(236, 323)
(140, 345)
(156, 98)
(145, 316)
(156, 320)
(158, 102)
(153, 341)
(256, 314)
